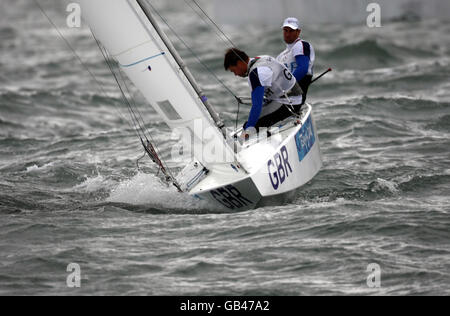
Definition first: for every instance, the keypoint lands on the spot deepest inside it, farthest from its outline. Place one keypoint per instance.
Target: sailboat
(234, 175)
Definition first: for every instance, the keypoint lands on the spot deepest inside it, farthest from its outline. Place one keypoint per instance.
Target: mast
(215, 116)
(132, 37)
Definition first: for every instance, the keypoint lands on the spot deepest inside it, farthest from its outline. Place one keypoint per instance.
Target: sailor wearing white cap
(299, 55)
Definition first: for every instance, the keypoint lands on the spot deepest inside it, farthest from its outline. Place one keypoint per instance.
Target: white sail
(126, 32)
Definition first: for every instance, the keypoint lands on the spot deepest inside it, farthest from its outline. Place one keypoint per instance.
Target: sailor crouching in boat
(298, 56)
(276, 94)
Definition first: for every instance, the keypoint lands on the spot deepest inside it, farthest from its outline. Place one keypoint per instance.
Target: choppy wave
(148, 190)
(70, 190)
(367, 54)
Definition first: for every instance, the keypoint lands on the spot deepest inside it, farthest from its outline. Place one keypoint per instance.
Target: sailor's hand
(247, 133)
(245, 136)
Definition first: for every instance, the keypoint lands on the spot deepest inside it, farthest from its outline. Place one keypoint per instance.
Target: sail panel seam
(141, 61)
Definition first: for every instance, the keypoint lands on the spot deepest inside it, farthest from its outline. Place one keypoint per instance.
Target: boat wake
(149, 194)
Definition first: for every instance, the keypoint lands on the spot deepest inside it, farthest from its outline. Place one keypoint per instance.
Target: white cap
(292, 23)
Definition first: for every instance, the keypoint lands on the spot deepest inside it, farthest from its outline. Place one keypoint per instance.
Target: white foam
(93, 184)
(32, 168)
(36, 167)
(147, 189)
(382, 184)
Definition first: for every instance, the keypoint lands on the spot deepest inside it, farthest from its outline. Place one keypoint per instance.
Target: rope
(149, 146)
(203, 18)
(217, 27)
(136, 123)
(237, 115)
(214, 23)
(102, 90)
(142, 131)
(221, 35)
(192, 52)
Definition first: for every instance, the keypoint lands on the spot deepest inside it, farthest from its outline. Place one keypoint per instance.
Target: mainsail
(129, 34)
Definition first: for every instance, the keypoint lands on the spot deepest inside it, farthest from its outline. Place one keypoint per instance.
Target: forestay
(130, 38)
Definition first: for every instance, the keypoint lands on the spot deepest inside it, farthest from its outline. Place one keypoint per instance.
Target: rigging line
(130, 99)
(139, 159)
(220, 30)
(214, 23)
(124, 99)
(238, 99)
(66, 41)
(129, 112)
(160, 161)
(98, 83)
(102, 90)
(133, 102)
(204, 19)
(139, 131)
(237, 115)
(150, 147)
(218, 121)
(192, 51)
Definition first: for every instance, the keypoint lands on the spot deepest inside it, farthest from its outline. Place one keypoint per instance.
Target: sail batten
(140, 61)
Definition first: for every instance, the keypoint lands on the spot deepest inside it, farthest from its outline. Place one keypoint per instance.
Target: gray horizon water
(70, 191)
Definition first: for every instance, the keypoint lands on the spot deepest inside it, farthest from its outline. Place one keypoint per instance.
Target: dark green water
(70, 191)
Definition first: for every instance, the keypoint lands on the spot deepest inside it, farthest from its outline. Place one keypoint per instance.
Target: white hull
(276, 168)
(260, 170)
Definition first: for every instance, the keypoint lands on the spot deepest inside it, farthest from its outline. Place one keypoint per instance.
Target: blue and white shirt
(270, 81)
(298, 51)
